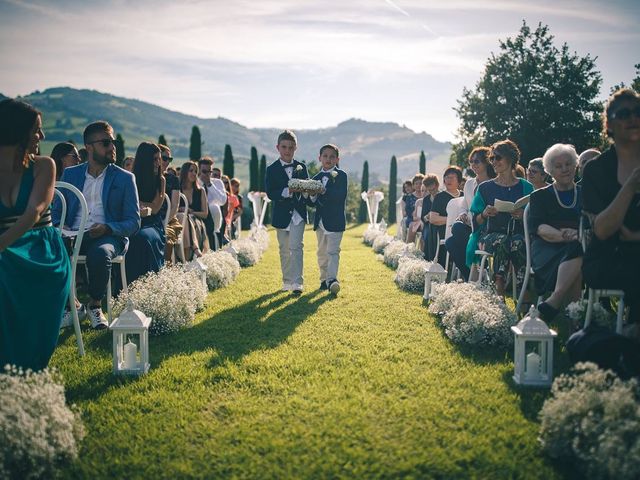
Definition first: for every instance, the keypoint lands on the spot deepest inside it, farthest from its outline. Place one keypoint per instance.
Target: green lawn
(268, 386)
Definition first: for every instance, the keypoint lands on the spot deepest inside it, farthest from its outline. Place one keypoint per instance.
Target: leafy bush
(222, 268)
(398, 248)
(472, 315)
(38, 431)
(592, 420)
(410, 274)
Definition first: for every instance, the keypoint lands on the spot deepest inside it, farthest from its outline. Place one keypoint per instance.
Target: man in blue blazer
(113, 211)
(330, 220)
(289, 214)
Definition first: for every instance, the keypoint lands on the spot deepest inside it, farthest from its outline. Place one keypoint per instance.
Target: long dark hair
(60, 151)
(147, 176)
(16, 123)
(184, 174)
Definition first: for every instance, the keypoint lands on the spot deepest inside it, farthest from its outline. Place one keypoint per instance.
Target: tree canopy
(534, 93)
(195, 144)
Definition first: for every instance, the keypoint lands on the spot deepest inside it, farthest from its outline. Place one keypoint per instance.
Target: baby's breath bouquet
(305, 185)
(370, 234)
(396, 249)
(170, 297)
(381, 242)
(248, 251)
(410, 274)
(577, 312)
(38, 431)
(261, 237)
(222, 268)
(592, 421)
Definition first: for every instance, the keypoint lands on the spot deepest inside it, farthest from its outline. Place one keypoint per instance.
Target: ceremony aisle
(266, 385)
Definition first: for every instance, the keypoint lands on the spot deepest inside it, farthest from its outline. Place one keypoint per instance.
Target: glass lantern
(533, 351)
(130, 342)
(433, 273)
(200, 268)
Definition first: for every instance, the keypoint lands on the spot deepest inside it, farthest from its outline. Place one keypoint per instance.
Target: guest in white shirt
(216, 198)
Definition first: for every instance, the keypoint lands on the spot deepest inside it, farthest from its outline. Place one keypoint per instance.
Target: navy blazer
(119, 199)
(330, 206)
(276, 180)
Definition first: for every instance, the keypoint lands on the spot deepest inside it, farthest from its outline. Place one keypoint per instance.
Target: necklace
(575, 197)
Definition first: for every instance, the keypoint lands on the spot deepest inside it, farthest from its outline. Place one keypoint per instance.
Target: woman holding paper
(554, 215)
(500, 226)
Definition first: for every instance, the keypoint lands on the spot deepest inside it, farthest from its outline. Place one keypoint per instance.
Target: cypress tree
(227, 163)
(423, 162)
(195, 147)
(262, 173)
(364, 186)
(393, 189)
(254, 167)
(119, 150)
(162, 141)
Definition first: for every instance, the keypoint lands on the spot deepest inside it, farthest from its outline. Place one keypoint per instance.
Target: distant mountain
(66, 111)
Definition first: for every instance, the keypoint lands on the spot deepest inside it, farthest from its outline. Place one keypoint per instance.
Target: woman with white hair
(554, 216)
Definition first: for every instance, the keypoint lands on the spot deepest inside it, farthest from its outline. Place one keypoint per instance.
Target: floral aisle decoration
(171, 297)
(398, 248)
(38, 431)
(410, 273)
(592, 421)
(577, 312)
(472, 315)
(371, 233)
(381, 242)
(222, 268)
(248, 251)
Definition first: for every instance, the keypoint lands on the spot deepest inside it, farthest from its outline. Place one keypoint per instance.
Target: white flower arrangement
(381, 242)
(577, 311)
(334, 174)
(410, 273)
(248, 251)
(171, 297)
(299, 168)
(370, 234)
(261, 237)
(472, 315)
(222, 268)
(592, 420)
(305, 185)
(38, 431)
(396, 249)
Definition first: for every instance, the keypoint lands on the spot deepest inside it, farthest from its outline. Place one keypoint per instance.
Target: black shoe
(297, 292)
(547, 312)
(334, 287)
(323, 285)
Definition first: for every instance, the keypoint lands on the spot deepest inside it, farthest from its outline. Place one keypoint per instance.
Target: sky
(296, 63)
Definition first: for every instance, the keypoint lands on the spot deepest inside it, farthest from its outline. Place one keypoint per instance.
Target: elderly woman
(501, 233)
(438, 215)
(536, 173)
(554, 216)
(611, 189)
(430, 187)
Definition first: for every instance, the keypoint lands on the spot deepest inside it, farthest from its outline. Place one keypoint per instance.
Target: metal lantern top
(229, 249)
(532, 326)
(435, 268)
(130, 318)
(197, 264)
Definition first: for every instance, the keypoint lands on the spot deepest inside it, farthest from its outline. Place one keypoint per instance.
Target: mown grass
(268, 386)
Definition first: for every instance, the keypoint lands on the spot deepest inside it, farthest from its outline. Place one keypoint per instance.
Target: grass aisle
(268, 386)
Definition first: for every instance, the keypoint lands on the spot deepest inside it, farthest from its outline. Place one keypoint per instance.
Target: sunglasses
(205, 171)
(105, 142)
(496, 157)
(167, 159)
(625, 113)
(475, 161)
(73, 155)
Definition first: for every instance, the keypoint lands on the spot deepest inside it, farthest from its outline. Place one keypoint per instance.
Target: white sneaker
(98, 320)
(287, 287)
(67, 318)
(334, 287)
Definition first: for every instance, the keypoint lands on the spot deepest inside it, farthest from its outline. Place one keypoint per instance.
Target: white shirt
(92, 192)
(296, 219)
(325, 180)
(469, 191)
(216, 194)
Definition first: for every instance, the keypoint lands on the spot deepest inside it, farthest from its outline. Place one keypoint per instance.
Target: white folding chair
(528, 269)
(76, 251)
(166, 216)
(185, 221)
(119, 259)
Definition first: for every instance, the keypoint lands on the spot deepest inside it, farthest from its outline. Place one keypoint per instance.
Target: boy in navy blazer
(330, 221)
(289, 215)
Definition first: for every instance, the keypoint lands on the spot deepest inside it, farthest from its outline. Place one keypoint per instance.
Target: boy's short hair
(418, 177)
(96, 127)
(332, 147)
(287, 135)
(430, 179)
(453, 169)
(205, 161)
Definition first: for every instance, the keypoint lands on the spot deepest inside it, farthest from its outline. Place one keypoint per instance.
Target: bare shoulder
(44, 166)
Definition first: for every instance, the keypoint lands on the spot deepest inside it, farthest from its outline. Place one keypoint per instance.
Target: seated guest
(232, 204)
(195, 239)
(235, 189)
(83, 155)
(34, 265)
(430, 188)
(128, 163)
(438, 214)
(65, 155)
(461, 229)
(585, 157)
(114, 213)
(216, 198)
(611, 190)
(554, 216)
(501, 233)
(146, 247)
(536, 174)
(173, 228)
(413, 224)
(407, 189)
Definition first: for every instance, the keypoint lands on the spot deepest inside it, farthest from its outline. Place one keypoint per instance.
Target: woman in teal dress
(34, 265)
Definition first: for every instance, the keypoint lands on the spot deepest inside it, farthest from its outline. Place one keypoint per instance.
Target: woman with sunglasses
(501, 233)
(611, 199)
(65, 155)
(195, 239)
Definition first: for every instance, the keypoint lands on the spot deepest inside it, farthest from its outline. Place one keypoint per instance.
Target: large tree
(119, 150)
(393, 189)
(195, 147)
(262, 172)
(423, 162)
(364, 187)
(227, 162)
(534, 93)
(162, 140)
(254, 170)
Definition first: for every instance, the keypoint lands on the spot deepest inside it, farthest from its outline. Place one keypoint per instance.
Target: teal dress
(34, 287)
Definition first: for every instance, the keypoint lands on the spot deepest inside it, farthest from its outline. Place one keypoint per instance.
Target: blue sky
(296, 63)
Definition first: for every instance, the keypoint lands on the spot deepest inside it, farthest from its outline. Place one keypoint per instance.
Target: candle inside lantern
(130, 352)
(533, 366)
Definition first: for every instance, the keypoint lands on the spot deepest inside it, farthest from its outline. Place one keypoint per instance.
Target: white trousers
(290, 245)
(328, 253)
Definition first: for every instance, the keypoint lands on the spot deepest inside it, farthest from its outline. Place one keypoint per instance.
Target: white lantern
(433, 273)
(533, 351)
(198, 266)
(130, 342)
(382, 226)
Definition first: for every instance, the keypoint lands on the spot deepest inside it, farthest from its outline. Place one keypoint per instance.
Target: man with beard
(113, 209)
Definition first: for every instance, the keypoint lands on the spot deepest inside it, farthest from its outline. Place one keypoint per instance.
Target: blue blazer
(276, 180)
(330, 206)
(119, 199)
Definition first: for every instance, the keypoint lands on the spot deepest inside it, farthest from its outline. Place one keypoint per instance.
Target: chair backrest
(527, 235)
(454, 208)
(166, 216)
(183, 197)
(84, 214)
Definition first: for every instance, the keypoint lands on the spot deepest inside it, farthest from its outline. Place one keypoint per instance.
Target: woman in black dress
(611, 189)
(554, 216)
(438, 215)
